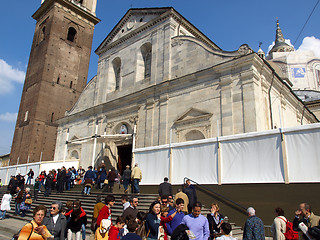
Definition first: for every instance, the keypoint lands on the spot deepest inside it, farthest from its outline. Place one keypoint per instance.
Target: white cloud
(9, 76)
(311, 43)
(288, 41)
(8, 117)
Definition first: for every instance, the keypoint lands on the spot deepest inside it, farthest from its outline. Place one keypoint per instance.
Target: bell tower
(56, 75)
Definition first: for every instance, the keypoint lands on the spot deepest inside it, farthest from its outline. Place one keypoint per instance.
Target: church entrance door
(124, 157)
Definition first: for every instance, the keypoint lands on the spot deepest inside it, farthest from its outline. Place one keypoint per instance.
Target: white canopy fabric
(252, 160)
(198, 162)
(303, 155)
(154, 165)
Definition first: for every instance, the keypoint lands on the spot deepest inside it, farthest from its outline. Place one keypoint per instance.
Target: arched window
(43, 33)
(146, 51)
(117, 71)
(26, 116)
(72, 34)
(317, 73)
(194, 135)
(74, 154)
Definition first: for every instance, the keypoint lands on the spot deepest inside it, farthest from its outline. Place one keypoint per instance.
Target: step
(88, 202)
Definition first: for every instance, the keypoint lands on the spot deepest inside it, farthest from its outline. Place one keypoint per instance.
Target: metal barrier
(222, 198)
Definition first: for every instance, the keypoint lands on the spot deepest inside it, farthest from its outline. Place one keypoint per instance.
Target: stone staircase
(88, 202)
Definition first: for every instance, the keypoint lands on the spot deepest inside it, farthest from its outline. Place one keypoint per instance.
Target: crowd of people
(168, 217)
(63, 179)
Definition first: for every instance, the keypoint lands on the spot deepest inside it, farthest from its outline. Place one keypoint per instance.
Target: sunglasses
(54, 208)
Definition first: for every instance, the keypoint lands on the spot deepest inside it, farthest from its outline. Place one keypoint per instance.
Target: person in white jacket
(278, 227)
(5, 204)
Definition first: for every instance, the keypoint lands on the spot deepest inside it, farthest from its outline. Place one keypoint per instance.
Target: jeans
(17, 205)
(28, 180)
(83, 230)
(126, 184)
(35, 194)
(68, 186)
(3, 214)
(110, 186)
(47, 192)
(87, 190)
(136, 185)
(41, 183)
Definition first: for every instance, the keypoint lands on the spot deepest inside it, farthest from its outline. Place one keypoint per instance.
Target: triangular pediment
(74, 138)
(137, 20)
(193, 115)
(134, 19)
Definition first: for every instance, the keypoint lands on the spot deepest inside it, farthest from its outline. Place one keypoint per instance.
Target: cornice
(152, 92)
(46, 5)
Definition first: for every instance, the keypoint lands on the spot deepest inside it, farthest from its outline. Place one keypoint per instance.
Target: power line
(306, 22)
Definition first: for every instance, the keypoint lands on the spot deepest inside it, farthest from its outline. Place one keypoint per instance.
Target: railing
(267, 231)
(220, 197)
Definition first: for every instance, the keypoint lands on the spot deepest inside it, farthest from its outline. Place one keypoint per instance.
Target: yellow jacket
(136, 173)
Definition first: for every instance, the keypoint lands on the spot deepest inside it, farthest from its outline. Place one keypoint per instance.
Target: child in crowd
(132, 226)
(114, 230)
(102, 232)
(225, 230)
(141, 228)
(164, 219)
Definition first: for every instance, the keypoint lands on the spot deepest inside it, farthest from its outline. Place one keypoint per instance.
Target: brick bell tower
(56, 75)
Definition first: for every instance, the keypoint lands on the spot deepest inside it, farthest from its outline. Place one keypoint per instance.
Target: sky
(228, 23)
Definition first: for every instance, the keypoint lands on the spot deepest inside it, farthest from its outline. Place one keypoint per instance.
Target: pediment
(137, 20)
(74, 138)
(193, 115)
(133, 20)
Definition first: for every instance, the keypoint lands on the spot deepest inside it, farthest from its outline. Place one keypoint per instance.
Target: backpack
(73, 176)
(290, 233)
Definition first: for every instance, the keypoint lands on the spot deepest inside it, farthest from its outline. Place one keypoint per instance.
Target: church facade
(160, 79)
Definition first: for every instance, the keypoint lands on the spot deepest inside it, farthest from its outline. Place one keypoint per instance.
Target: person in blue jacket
(153, 221)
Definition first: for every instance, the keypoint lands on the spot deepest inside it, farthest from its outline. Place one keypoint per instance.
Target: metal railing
(238, 207)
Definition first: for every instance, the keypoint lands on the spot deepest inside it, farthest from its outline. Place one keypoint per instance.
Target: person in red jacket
(114, 230)
(41, 179)
(77, 205)
(105, 212)
(165, 219)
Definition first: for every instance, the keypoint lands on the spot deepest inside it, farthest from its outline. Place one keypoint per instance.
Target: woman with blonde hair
(215, 220)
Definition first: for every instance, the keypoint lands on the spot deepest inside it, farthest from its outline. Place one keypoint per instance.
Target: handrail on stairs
(242, 208)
